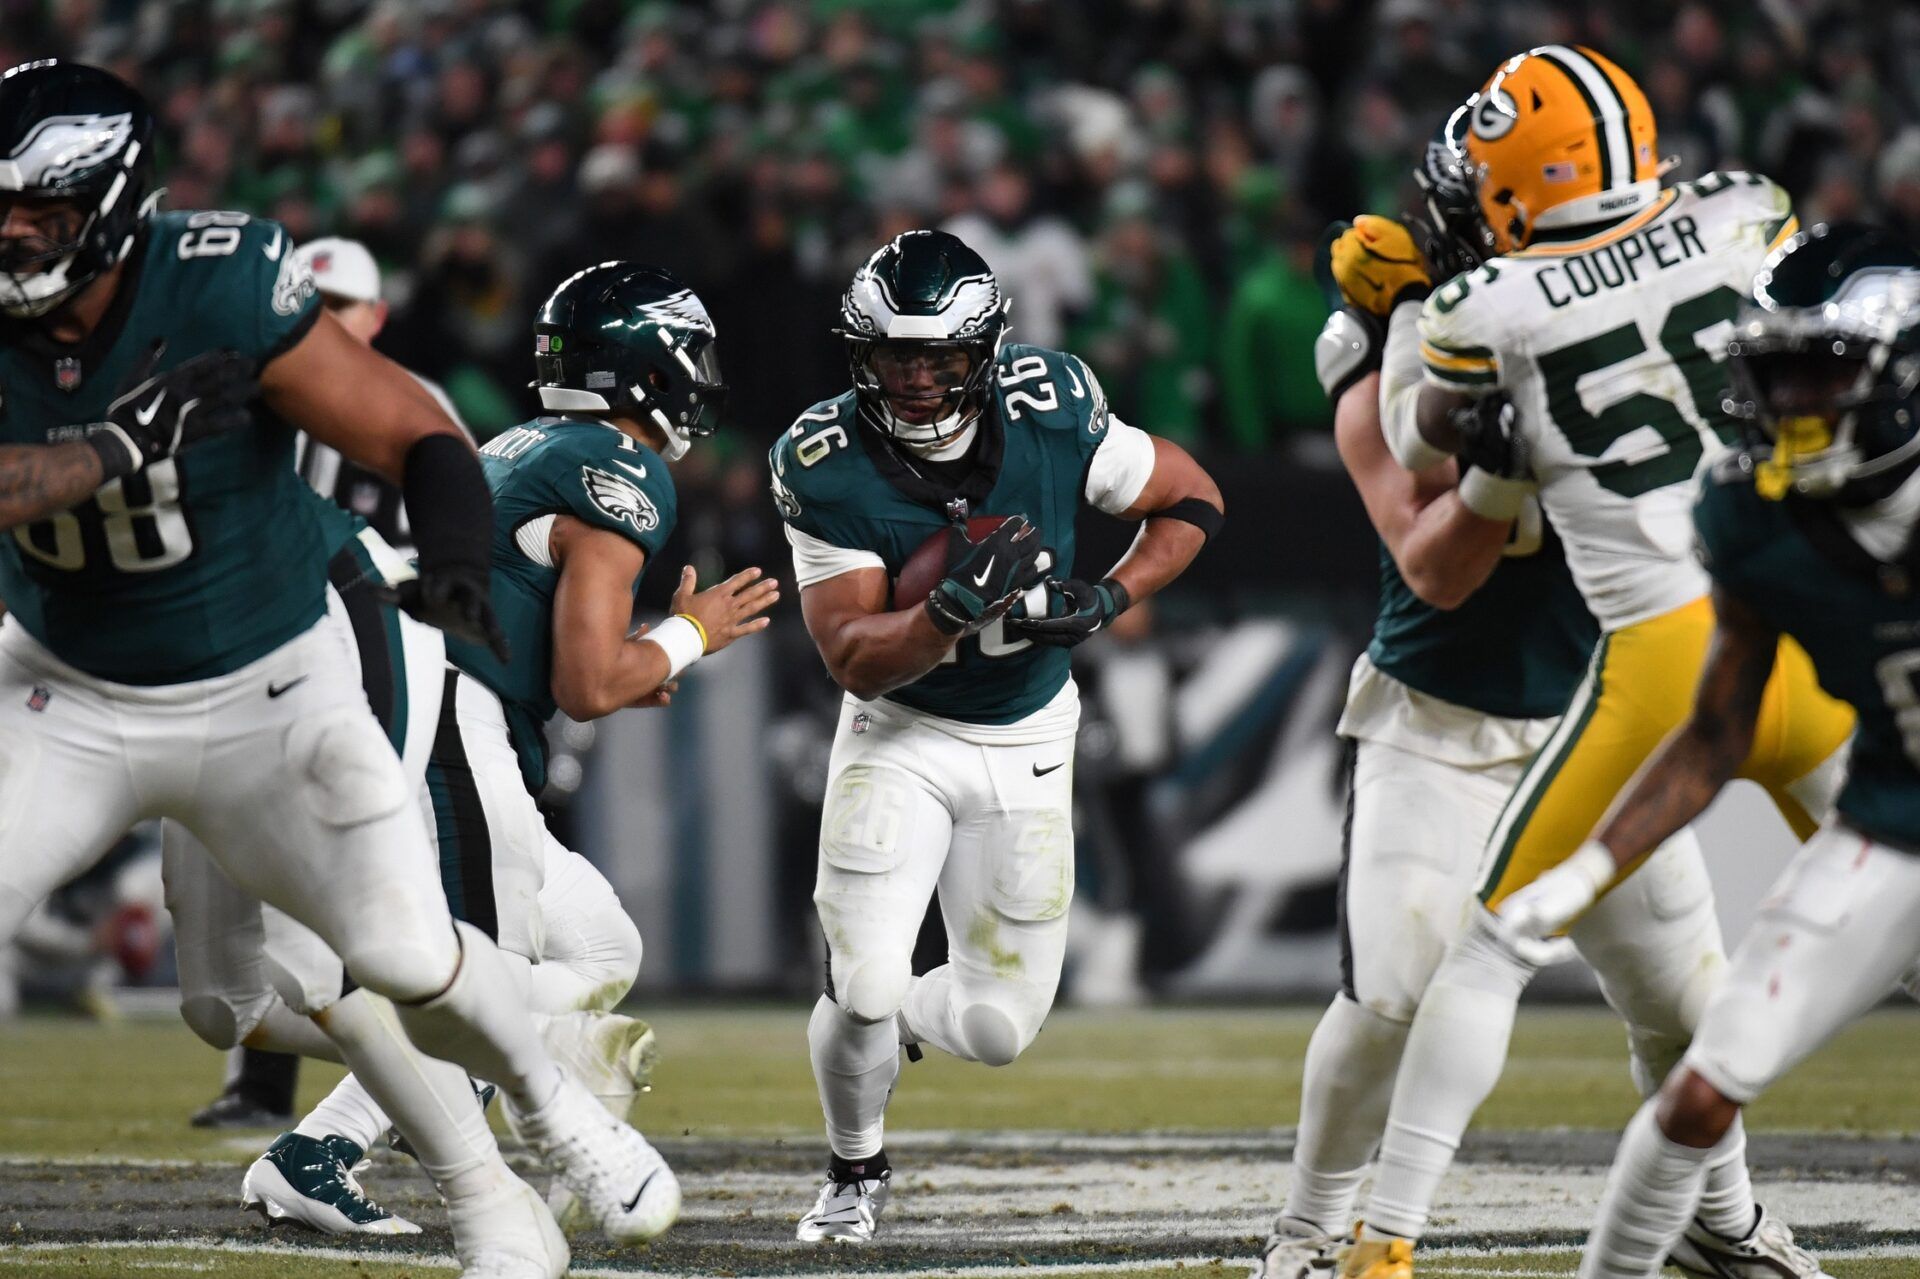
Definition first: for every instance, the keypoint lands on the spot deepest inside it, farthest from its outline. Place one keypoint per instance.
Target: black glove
(1490, 438)
(1074, 610)
(457, 599)
(155, 415)
(985, 577)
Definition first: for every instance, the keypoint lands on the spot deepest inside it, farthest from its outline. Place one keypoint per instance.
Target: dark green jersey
(1795, 564)
(1515, 648)
(198, 564)
(555, 466)
(838, 479)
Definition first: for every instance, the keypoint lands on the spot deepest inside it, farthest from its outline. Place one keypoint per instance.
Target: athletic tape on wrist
(681, 639)
(119, 455)
(1491, 497)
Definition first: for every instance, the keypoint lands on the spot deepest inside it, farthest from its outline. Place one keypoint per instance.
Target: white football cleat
(613, 1058)
(306, 1181)
(1767, 1252)
(1297, 1250)
(620, 1179)
(849, 1206)
(611, 1055)
(504, 1231)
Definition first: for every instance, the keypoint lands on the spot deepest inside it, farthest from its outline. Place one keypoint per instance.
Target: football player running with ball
(1810, 532)
(1590, 353)
(952, 766)
(1480, 640)
(170, 652)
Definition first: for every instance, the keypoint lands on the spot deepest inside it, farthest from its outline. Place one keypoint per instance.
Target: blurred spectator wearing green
(1268, 389)
(1149, 331)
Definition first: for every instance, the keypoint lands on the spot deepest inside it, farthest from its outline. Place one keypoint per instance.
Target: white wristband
(1491, 497)
(680, 640)
(1593, 862)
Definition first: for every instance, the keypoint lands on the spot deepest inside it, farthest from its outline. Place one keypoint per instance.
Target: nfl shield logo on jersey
(861, 721)
(66, 373)
(37, 700)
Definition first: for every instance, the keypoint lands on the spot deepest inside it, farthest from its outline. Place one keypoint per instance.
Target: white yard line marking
(428, 1261)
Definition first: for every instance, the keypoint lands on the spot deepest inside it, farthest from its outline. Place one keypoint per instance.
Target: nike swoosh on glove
(1377, 265)
(985, 577)
(155, 415)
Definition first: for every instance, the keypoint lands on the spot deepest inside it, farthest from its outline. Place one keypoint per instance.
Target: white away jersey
(1613, 349)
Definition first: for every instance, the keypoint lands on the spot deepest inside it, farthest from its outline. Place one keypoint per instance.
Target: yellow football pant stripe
(1639, 689)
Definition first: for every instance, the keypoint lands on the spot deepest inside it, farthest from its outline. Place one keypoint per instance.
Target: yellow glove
(1377, 266)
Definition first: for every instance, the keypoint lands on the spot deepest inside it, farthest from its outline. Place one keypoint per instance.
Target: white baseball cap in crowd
(342, 268)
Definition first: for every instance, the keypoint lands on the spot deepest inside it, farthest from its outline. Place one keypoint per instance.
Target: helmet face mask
(1458, 238)
(622, 339)
(75, 168)
(923, 321)
(1824, 366)
(930, 390)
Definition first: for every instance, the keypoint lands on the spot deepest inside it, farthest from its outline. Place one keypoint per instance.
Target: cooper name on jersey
(1611, 266)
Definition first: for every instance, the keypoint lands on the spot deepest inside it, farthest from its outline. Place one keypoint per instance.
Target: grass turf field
(1143, 1144)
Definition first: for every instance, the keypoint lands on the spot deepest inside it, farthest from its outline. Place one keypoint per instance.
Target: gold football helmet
(1560, 137)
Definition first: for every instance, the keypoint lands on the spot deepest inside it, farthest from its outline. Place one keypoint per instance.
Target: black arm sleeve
(448, 504)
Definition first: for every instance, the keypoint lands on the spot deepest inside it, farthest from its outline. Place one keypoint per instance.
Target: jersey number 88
(139, 517)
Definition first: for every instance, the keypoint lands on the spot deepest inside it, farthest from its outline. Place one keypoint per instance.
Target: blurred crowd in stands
(1150, 177)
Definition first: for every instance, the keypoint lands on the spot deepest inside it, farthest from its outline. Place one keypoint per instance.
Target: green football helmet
(925, 293)
(71, 132)
(1824, 365)
(630, 339)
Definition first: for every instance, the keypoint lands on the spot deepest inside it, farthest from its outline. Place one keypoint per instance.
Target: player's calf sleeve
(1726, 1197)
(480, 1021)
(1454, 1055)
(430, 1101)
(854, 1066)
(1650, 1194)
(348, 1111)
(283, 1030)
(1347, 1083)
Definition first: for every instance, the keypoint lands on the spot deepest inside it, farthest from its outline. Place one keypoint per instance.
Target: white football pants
(280, 768)
(910, 809)
(1837, 934)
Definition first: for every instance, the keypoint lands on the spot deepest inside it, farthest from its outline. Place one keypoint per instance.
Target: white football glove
(1544, 908)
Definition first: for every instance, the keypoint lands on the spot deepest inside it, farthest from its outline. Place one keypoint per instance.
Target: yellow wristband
(704, 642)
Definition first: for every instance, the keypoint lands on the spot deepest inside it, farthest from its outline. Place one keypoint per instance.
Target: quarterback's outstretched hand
(457, 599)
(986, 576)
(1074, 610)
(155, 415)
(728, 611)
(1377, 266)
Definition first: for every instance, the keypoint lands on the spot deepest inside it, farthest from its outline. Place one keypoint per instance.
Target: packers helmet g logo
(1494, 115)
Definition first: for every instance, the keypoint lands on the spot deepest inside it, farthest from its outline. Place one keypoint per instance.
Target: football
(928, 563)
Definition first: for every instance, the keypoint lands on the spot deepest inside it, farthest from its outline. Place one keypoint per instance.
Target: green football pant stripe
(1545, 767)
(460, 821)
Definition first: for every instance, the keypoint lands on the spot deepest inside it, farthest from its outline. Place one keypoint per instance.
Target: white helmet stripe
(1614, 135)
